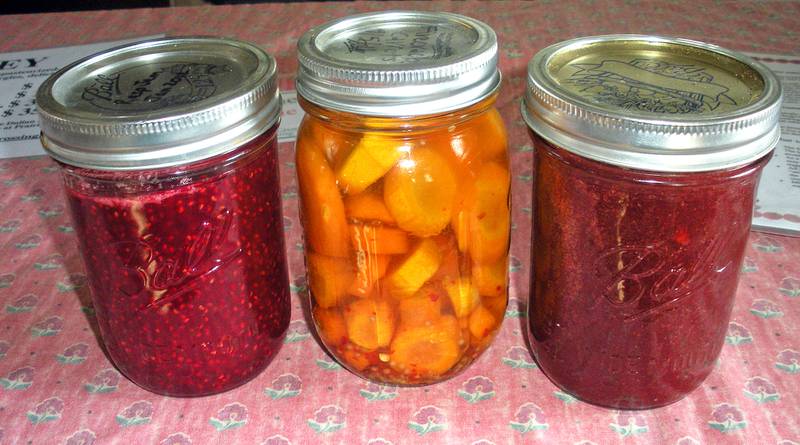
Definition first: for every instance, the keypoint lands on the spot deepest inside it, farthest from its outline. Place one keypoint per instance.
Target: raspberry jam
(168, 153)
(195, 298)
(649, 260)
(647, 154)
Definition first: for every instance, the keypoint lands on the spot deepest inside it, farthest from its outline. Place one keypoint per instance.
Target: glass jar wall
(407, 229)
(168, 153)
(404, 183)
(647, 153)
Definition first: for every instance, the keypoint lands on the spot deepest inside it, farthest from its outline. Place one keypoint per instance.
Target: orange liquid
(407, 228)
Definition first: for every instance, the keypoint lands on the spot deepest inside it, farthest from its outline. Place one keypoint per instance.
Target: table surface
(56, 386)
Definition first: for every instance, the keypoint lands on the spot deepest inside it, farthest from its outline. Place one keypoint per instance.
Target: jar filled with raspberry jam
(404, 182)
(167, 150)
(647, 153)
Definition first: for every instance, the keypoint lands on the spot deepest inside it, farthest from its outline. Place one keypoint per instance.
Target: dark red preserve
(647, 153)
(174, 192)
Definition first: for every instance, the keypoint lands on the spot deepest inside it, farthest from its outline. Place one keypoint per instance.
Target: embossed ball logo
(154, 86)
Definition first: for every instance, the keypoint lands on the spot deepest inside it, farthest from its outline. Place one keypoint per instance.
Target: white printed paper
(291, 115)
(778, 200)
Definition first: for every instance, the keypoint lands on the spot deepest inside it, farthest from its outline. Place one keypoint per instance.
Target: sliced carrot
(332, 329)
(420, 192)
(423, 308)
(335, 145)
(378, 240)
(475, 141)
(372, 157)
(485, 137)
(367, 206)
(329, 278)
(429, 350)
(322, 207)
(415, 269)
(369, 269)
(482, 323)
(355, 359)
(496, 305)
(490, 279)
(463, 296)
(370, 323)
(482, 224)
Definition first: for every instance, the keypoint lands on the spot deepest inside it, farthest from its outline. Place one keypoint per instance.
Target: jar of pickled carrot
(168, 154)
(647, 153)
(404, 182)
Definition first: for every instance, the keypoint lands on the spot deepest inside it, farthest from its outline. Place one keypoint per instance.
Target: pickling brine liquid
(407, 231)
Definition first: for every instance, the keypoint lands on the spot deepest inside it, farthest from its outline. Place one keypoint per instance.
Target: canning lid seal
(653, 103)
(158, 103)
(398, 63)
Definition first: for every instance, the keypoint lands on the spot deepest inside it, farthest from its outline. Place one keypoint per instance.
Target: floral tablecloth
(57, 386)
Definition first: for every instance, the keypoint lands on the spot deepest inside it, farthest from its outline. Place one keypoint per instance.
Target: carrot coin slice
(415, 269)
(423, 308)
(329, 278)
(426, 351)
(420, 192)
(370, 323)
(482, 225)
(322, 207)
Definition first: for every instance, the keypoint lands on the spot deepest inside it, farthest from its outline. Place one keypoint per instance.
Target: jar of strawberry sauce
(168, 153)
(647, 153)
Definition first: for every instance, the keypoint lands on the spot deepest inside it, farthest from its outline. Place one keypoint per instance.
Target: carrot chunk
(378, 240)
(355, 359)
(332, 329)
(426, 351)
(482, 323)
(329, 278)
(423, 308)
(420, 192)
(369, 269)
(463, 296)
(496, 305)
(415, 269)
(322, 207)
(372, 157)
(482, 223)
(490, 279)
(367, 206)
(370, 323)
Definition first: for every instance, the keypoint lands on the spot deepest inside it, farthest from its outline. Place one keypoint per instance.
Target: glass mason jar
(647, 153)
(404, 182)
(168, 153)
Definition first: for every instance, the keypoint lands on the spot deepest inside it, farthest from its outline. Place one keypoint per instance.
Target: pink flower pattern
(37, 267)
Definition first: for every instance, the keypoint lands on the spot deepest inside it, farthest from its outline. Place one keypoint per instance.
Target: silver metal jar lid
(158, 103)
(398, 63)
(653, 103)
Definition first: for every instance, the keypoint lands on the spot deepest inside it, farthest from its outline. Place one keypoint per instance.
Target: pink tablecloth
(56, 386)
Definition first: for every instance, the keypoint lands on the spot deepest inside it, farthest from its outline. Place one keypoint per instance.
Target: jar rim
(158, 103)
(398, 63)
(653, 103)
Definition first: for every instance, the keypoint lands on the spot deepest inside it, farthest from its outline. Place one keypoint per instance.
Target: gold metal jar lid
(653, 103)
